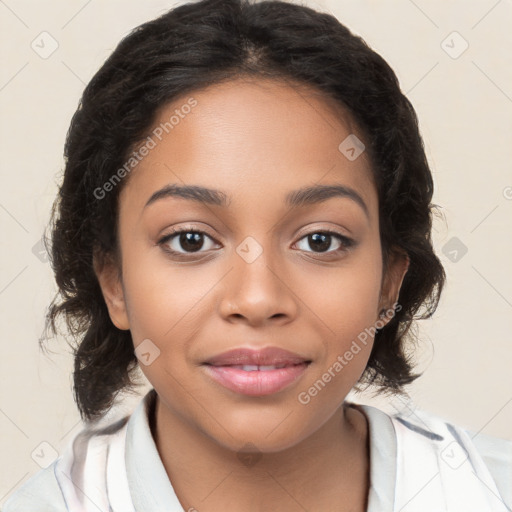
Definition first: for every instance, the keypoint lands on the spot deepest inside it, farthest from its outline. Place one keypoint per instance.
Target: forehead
(254, 139)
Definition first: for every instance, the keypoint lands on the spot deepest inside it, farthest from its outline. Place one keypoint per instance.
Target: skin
(256, 140)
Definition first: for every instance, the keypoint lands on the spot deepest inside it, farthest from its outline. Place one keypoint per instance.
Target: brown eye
(190, 242)
(322, 241)
(185, 241)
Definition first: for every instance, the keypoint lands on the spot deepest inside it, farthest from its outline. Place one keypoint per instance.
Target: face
(258, 263)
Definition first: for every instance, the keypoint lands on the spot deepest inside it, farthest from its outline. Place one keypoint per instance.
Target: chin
(265, 431)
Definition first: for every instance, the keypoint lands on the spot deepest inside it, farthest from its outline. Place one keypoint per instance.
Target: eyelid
(184, 229)
(322, 229)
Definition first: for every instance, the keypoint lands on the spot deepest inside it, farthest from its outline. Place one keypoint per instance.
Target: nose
(258, 292)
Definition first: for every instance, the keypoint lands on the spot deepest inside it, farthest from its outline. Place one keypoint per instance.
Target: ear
(398, 265)
(108, 274)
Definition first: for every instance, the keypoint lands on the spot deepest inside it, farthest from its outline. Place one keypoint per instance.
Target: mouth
(256, 368)
(256, 373)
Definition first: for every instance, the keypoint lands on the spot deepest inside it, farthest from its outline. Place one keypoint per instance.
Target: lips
(256, 372)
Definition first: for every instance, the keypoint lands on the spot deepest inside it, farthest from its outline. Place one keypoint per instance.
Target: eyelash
(346, 242)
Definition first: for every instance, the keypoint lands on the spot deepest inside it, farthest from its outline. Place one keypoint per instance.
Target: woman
(246, 216)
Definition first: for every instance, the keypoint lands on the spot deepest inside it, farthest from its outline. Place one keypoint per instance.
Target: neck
(326, 471)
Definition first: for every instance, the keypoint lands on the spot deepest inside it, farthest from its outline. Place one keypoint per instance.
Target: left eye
(322, 240)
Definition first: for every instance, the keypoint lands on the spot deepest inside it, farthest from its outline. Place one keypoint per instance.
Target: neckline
(151, 485)
(382, 450)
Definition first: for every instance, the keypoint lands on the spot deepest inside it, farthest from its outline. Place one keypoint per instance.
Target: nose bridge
(255, 289)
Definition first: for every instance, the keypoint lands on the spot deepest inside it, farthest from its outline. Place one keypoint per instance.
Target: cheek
(166, 305)
(164, 300)
(346, 298)
(348, 309)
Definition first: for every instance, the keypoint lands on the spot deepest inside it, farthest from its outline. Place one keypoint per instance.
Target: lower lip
(258, 382)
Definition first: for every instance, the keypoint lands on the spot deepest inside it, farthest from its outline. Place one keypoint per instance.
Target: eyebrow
(297, 198)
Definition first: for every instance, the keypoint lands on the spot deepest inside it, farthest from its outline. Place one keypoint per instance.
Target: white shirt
(418, 463)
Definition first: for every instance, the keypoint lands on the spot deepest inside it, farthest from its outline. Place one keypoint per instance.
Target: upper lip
(270, 356)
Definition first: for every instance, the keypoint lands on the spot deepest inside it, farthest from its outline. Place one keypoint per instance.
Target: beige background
(465, 110)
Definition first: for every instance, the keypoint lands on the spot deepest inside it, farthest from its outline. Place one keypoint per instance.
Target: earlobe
(398, 266)
(107, 272)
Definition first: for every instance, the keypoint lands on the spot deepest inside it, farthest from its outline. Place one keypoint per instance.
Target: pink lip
(257, 382)
(224, 369)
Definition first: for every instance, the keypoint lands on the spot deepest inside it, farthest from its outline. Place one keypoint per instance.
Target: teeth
(254, 367)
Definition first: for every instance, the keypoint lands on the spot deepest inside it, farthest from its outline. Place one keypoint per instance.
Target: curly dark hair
(190, 48)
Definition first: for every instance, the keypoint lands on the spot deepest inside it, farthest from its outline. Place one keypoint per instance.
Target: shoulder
(49, 490)
(399, 438)
(497, 455)
(494, 454)
(40, 493)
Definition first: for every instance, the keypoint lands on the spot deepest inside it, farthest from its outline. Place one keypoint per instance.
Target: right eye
(184, 241)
